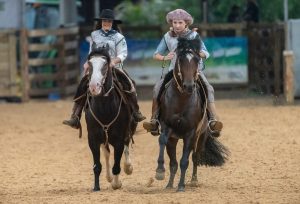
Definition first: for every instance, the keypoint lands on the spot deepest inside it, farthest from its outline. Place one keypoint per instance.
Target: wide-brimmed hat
(179, 14)
(108, 15)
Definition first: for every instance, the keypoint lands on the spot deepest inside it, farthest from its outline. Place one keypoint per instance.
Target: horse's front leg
(106, 153)
(118, 151)
(94, 145)
(160, 170)
(128, 168)
(184, 162)
(171, 150)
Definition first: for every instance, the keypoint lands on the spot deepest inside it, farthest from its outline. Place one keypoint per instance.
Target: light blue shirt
(169, 43)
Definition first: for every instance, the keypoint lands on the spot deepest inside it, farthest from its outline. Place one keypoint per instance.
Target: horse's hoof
(169, 186)
(160, 176)
(180, 189)
(194, 183)
(109, 178)
(96, 189)
(116, 186)
(128, 168)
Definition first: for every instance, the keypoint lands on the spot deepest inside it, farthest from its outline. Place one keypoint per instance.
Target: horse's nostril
(98, 84)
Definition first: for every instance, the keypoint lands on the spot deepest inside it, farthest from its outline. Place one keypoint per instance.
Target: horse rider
(179, 20)
(105, 35)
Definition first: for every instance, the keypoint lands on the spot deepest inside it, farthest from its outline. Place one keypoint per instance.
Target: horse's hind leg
(171, 150)
(160, 170)
(127, 163)
(195, 157)
(118, 151)
(106, 153)
(95, 148)
(194, 181)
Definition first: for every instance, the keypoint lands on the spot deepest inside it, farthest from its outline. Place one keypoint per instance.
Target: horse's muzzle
(95, 88)
(189, 87)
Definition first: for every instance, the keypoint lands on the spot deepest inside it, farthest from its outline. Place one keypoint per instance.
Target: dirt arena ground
(43, 161)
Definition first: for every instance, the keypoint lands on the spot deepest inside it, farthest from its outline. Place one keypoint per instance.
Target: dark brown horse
(183, 115)
(109, 119)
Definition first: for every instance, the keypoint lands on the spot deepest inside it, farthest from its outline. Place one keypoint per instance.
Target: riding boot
(137, 115)
(153, 125)
(215, 126)
(74, 121)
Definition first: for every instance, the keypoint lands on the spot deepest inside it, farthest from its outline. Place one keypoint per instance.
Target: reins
(175, 78)
(200, 124)
(105, 127)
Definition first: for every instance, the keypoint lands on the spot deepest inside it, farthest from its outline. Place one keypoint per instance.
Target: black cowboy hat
(108, 15)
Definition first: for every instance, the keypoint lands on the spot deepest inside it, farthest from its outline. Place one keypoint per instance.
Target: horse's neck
(178, 98)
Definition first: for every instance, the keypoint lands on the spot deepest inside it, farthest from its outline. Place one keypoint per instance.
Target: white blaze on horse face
(97, 78)
(189, 56)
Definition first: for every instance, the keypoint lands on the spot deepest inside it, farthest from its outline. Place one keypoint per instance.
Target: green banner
(228, 61)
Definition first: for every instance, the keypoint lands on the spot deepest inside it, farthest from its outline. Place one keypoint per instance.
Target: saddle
(124, 84)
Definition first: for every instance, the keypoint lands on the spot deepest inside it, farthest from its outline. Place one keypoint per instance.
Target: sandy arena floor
(43, 161)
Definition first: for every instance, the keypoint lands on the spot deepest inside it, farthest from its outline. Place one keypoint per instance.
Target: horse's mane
(185, 45)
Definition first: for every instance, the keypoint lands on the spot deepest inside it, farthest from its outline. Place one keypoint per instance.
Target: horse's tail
(213, 153)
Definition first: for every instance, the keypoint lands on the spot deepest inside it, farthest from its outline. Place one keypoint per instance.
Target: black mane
(99, 51)
(185, 45)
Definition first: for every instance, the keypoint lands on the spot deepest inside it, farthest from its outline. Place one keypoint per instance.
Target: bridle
(179, 73)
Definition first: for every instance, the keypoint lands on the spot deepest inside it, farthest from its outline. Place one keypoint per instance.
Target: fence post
(24, 65)
(289, 76)
(13, 63)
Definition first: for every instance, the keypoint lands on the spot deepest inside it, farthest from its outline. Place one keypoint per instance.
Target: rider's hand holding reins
(169, 56)
(202, 55)
(114, 61)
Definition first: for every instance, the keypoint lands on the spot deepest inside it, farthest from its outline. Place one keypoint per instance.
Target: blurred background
(43, 43)
(254, 67)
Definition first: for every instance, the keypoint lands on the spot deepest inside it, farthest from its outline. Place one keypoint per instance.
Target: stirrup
(153, 127)
(216, 129)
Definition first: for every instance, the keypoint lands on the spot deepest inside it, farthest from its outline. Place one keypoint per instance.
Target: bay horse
(183, 115)
(108, 117)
